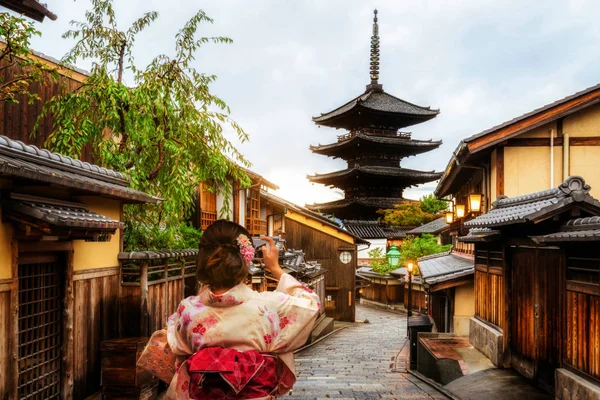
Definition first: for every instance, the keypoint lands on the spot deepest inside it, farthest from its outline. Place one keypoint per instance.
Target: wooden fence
(152, 285)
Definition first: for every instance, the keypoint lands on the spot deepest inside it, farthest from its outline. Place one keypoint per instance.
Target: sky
(480, 62)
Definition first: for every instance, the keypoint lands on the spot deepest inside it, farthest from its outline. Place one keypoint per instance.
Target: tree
(414, 213)
(378, 261)
(16, 33)
(407, 213)
(414, 248)
(432, 205)
(165, 130)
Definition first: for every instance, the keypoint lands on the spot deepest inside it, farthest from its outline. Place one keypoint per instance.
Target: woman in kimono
(233, 342)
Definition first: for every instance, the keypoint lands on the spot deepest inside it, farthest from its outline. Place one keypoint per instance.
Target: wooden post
(500, 171)
(166, 302)
(144, 298)
(13, 369)
(68, 340)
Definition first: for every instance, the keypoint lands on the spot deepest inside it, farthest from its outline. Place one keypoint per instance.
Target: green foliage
(153, 237)
(378, 261)
(414, 213)
(16, 33)
(432, 205)
(407, 213)
(164, 130)
(414, 248)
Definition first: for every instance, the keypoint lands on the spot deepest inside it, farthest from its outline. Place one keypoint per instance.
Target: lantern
(449, 217)
(475, 202)
(409, 267)
(460, 211)
(393, 256)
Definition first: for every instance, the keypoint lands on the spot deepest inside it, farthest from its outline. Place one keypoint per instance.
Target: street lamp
(475, 202)
(460, 211)
(409, 271)
(393, 257)
(449, 217)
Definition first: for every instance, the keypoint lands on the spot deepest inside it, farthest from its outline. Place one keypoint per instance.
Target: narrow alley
(359, 362)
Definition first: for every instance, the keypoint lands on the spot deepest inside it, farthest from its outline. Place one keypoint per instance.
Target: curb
(434, 385)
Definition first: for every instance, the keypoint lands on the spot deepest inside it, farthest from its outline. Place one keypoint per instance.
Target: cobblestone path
(358, 362)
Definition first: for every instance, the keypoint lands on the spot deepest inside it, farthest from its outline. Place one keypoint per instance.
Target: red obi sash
(218, 373)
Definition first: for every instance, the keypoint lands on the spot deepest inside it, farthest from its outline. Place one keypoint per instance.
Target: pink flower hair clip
(246, 248)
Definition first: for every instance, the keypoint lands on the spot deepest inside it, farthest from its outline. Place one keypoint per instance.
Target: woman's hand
(271, 258)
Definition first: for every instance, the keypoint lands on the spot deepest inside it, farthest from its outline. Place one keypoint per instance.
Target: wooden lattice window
(583, 272)
(489, 284)
(208, 206)
(40, 327)
(254, 224)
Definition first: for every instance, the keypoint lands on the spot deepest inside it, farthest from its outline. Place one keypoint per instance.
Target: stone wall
(569, 386)
(487, 340)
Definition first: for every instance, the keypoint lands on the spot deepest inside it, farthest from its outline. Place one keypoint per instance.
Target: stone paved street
(358, 362)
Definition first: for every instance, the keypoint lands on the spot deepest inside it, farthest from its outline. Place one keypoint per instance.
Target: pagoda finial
(374, 55)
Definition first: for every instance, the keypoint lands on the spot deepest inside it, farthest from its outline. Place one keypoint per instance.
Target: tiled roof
(59, 213)
(410, 145)
(310, 214)
(373, 229)
(372, 202)
(155, 255)
(535, 206)
(445, 266)
(379, 101)
(434, 227)
(477, 235)
(15, 167)
(22, 151)
(576, 230)
(396, 172)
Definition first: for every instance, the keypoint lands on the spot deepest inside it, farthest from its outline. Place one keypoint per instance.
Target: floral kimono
(244, 338)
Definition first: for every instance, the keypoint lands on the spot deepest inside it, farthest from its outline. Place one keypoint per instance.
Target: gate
(535, 333)
(40, 326)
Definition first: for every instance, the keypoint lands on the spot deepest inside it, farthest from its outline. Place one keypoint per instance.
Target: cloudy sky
(480, 62)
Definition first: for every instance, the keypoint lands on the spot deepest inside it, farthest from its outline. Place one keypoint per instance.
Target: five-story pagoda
(373, 148)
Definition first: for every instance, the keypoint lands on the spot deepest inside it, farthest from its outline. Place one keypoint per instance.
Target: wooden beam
(450, 284)
(13, 369)
(534, 121)
(68, 339)
(545, 142)
(95, 273)
(499, 171)
(44, 247)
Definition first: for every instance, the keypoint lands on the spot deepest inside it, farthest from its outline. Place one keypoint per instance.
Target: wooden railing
(374, 132)
(207, 218)
(256, 226)
(152, 285)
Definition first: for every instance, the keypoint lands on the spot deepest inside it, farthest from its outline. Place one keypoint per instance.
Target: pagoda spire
(374, 70)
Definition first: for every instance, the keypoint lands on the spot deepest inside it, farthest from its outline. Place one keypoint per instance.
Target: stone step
(323, 326)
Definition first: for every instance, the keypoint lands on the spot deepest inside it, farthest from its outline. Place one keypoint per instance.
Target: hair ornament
(246, 248)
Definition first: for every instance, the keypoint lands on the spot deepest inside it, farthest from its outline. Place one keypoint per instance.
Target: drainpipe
(565, 156)
(551, 158)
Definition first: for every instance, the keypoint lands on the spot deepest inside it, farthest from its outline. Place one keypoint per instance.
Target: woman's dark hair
(220, 264)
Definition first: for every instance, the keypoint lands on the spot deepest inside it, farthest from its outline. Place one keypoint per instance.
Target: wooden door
(534, 332)
(40, 326)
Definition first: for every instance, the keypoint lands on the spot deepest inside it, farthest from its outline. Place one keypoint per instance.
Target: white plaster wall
(374, 243)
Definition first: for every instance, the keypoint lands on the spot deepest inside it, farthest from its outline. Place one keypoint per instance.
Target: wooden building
(536, 287)
(30, 8)
(323, 241)
(447, 281)
(60, 236)
(385, 289)
(244, 204)
(437, 227)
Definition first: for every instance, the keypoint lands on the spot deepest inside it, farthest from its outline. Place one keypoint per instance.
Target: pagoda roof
(376, 108)
(357, 207)
(409, 176)
(400, 144)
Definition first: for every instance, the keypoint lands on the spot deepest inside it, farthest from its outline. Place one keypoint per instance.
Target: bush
(139, 236)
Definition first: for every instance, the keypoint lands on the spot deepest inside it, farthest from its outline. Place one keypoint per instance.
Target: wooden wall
(95, 319)
(17, 120)
(489, 285)
(339, 280)
(5, 329)
(418, 301)
(379, 292)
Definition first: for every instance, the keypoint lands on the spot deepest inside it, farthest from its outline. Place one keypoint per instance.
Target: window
(345, 257)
